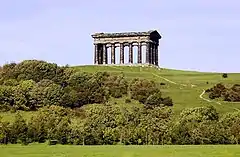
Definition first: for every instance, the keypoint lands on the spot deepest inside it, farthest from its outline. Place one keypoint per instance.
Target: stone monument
(150, 39)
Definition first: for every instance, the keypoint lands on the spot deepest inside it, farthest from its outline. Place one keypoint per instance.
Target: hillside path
(185, 85)
(192, 85)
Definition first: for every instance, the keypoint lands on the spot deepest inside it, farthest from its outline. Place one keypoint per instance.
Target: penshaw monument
(149, 39)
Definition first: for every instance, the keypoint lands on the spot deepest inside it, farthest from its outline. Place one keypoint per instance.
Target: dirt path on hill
(185, 85)
(192, 85)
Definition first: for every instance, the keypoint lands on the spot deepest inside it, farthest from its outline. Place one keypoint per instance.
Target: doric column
(104, 54)
(147, 52)
(130, 53)
(113, 54)
(121, 53)
(156, 55)
(139, 53)
(100, 54)
(96, 58)
(153, 54)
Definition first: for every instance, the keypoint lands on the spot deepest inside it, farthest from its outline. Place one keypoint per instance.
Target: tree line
(112, 125)
(33, 84)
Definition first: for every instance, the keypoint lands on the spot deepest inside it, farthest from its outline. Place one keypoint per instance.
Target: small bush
(225, 75)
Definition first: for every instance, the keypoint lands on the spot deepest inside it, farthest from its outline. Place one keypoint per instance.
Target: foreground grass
(43, 150)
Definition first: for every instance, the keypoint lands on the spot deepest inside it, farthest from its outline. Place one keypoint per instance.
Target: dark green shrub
(141, 89)
(225, 75)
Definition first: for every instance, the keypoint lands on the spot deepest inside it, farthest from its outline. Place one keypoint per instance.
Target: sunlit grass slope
(185, 87)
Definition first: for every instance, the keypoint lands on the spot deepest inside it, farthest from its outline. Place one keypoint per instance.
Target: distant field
(43, 150)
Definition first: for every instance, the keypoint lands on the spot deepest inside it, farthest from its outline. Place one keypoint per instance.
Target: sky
(200, 35)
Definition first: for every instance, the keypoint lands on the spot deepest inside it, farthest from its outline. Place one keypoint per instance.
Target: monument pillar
(121, 53)
(105, 61)
(156, 55)
(96, 56)
(130, 53)
(113, 53)
(147, 52)
(139, 53)
(100, 54)
(153, 53)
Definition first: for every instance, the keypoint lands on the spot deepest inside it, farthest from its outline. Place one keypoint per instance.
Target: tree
(231, 122)
(19, 130)
(154, 100)
(4, 131)
(141, 89)
(44, 124)
(198, 125)
(116, 85)
(22, 95)
(225, 75)
(6, 97)
(53, 95)
(8, 72)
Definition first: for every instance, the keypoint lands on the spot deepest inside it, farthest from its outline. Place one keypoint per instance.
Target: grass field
(43, 150)
(179, 88)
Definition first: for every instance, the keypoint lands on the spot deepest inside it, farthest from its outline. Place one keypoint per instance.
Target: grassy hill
(184, 87)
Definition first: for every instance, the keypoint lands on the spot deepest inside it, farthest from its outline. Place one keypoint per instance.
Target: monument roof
(125, 34)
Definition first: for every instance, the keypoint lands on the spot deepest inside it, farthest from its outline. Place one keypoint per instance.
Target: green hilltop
(113, 104)
(184, 87)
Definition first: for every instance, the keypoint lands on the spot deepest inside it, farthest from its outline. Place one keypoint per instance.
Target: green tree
(22, 95)
(53, 95)
(141, 89)
(231, 122)
(4, 131)
(117, 86)
(6, 97)
(19, 130)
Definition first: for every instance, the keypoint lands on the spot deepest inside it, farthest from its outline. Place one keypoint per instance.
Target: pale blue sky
(197, 34)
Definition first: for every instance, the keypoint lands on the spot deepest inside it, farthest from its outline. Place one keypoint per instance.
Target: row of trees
(33, 84)
(231, 94)
(110, 124)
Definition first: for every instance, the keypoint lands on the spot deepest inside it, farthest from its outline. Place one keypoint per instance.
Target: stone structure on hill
(103, 41)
